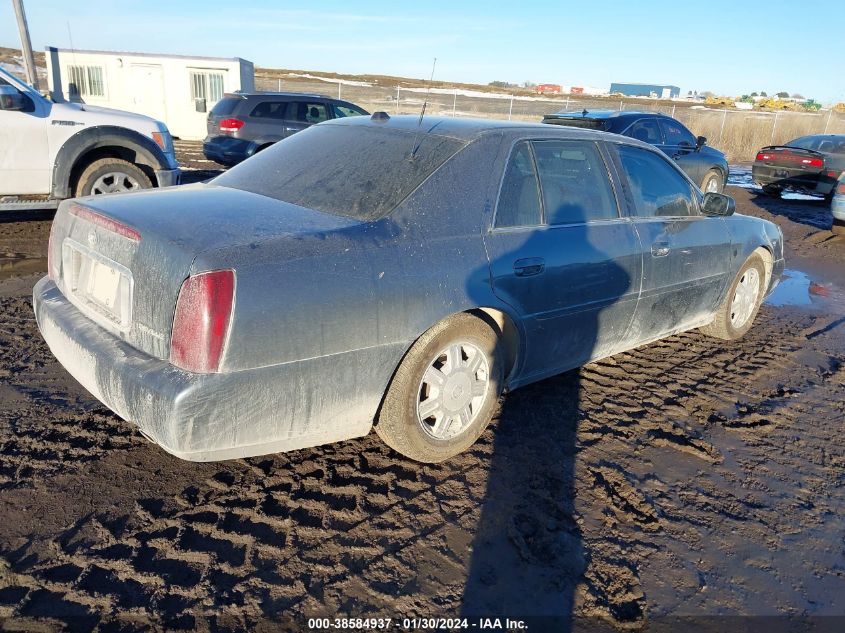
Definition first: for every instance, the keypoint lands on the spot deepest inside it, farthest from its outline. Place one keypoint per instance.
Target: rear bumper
(208, 417)
(227, 150)
(793, 179)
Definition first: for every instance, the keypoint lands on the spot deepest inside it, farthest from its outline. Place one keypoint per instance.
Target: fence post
(397, 99)
(567, 103)
(280, 84)
(621, 105)
(673, 110)
(510, 111)
(722, 129)
(338, 90)
(774, 127)
(827, 123)
(454, 102)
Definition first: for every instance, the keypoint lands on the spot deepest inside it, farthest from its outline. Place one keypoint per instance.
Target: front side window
(676, 134)
(341, 111)
(519, 198)
(575, 182)
(206, 85)
(646, 130)
(86, 81)
(657, 188)
(270, 110)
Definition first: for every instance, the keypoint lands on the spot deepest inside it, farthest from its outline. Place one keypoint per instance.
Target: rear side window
(574, 181)
(676, 134)
(805, 142)
(225, 106)
(646, 130)
(341, 111)
(308, 112)
(270, 110)
(353, 171)
(519, 199)
(656, 186)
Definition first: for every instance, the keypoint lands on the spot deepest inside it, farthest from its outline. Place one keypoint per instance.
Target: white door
(25, 166)
(147, 89)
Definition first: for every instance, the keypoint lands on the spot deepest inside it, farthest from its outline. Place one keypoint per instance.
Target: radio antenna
(422, 112)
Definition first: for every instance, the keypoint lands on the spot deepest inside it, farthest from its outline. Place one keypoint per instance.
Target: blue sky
(726, 47)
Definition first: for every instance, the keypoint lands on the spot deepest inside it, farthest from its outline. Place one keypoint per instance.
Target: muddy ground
(691, 477)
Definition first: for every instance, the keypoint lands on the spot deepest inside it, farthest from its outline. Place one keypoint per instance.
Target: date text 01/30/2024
(416, 624)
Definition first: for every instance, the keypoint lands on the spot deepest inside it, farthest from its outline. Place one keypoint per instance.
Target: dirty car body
(334, 268)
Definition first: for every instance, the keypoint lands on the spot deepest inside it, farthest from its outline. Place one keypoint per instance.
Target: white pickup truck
(51, 151)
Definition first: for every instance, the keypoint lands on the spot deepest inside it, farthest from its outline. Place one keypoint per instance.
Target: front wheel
(444, 392)
(742, 302)
(713, 182)
(111, 175)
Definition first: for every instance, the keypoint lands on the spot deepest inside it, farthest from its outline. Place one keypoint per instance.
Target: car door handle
(660, 249)
(529, 266)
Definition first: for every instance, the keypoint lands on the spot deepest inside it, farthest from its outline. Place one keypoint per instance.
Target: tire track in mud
(692, 454)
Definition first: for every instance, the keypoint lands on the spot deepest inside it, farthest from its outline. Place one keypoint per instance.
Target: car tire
(111, 175)
(838, 227)
(739, 308)
(713, 181)
(457, 417)
(772, 191)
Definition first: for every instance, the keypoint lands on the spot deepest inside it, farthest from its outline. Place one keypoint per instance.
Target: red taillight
(201, 322)
(230, 126)
(789, 157)
(762, 156)
(813, 162)
(105, 222)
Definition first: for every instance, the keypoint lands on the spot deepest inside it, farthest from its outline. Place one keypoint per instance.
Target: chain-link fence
(738, 133)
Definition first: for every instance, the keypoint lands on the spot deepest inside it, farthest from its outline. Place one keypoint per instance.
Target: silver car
(388, 270)
(837, 206)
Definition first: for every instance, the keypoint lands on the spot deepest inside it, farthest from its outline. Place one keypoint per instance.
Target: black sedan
(304, 296)
(809, 164)
(706, 166)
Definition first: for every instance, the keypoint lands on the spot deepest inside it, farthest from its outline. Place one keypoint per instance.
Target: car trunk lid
(790, 159)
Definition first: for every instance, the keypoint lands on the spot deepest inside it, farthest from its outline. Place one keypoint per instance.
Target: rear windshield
(351, 171)
(225, 106)
(590, 124)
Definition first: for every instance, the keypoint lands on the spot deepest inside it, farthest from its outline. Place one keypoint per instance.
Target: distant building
(549, 89)
(176, 89)
(646, 90)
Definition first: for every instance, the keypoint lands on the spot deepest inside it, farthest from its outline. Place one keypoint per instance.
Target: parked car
(304, 294)
(243, 124)
(809, 164)
(52, 151)
(706, 166)
(837, 206)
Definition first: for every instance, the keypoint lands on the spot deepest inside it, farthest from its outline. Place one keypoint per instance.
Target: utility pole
(26, 45)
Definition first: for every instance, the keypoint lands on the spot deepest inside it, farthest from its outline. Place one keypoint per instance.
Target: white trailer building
(176, 89)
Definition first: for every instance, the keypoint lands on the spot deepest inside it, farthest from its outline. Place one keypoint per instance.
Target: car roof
(468, 129)
(254, 95)
(603, 114)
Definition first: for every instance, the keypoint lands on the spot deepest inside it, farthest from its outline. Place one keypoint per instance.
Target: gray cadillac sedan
(388, 271)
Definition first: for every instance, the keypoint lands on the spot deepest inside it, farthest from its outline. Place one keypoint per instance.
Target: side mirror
(10, 98)
(717, 204)
(700, 142)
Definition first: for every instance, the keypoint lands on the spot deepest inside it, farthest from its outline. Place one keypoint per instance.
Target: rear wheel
(713, 182)
(444, 392)
(111, 175)
(742, 302)
(772, 190)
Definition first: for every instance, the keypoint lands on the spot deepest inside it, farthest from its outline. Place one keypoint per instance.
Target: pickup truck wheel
(444, 392)
(740, 305)
(111, 175)
(712, 182)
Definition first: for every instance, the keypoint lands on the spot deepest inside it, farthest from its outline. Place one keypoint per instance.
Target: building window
(86, 81)
(206, 85)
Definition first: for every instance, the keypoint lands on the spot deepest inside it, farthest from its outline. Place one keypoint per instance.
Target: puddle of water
(16, 265)
(796, 288)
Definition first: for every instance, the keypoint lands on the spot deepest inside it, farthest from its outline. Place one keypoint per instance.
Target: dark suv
(242, 124)
(704, 165)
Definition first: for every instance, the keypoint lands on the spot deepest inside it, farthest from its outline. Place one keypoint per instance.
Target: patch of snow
(345, 82)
